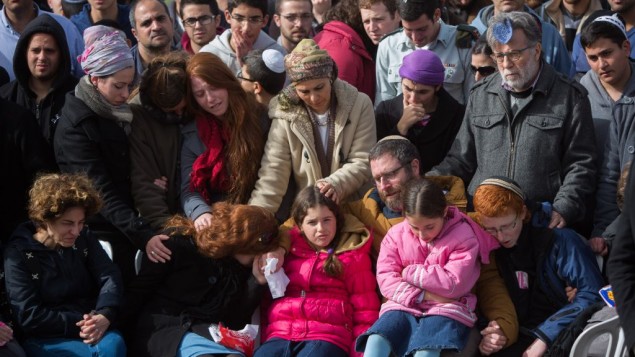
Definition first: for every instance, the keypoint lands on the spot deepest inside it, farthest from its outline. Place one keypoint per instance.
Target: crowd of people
(434, 178)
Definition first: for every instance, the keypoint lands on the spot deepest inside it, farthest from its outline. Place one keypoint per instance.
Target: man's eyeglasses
(296, 17)
(388, 176)
(239, 75)
(251, 20)
(483, 71)
(202, 20)
(514, 56)
(502, 229)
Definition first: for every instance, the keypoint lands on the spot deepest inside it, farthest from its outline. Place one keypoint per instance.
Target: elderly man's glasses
(388, 176)
(202, 20)
(514, 56)
(502, 229)
(252, 20)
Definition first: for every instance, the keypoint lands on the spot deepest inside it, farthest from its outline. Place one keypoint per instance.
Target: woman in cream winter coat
(322, 129)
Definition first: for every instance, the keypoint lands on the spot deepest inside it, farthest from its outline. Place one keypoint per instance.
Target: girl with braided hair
(331, 297)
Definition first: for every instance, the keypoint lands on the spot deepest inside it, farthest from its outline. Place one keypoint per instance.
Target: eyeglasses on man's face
(252, 19)
(202, 20)
(240, 76)
(388, 176)
(514, 55)
(295, 17)
(502, 229)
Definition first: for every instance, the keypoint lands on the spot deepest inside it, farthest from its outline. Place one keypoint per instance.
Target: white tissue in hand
(277, 281)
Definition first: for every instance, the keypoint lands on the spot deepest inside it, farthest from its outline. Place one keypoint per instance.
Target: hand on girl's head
(203, 221)
(328, 190)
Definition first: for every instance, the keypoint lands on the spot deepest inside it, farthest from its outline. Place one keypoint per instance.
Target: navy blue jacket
(552, 260)
(70, 282)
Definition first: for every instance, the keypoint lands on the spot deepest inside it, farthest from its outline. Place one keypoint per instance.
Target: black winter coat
(48, 111)
(86, 142)
(23, 153)
(621, 265)
(187, 293)
(70, 282)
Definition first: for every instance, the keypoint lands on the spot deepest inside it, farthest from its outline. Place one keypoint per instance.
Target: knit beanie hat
(307, 61)
(423, 67)
(106, 51)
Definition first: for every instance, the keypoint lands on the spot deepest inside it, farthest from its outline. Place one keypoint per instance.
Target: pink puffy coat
(447, 266)
(317, 306)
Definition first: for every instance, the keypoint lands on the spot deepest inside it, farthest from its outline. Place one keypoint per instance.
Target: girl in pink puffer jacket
(426, 268)
(331, 298)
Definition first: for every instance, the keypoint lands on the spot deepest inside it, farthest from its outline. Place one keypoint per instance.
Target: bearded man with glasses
(394, 161)
(246, 19)
(528, 123)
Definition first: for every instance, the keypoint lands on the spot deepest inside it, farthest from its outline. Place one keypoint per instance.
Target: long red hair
(235, 229)
(242, 121)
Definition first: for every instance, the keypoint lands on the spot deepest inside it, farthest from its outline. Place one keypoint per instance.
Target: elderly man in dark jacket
(42, 67)
(534, 128)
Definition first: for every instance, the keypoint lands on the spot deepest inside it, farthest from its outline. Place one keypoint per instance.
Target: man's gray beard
(529, 76)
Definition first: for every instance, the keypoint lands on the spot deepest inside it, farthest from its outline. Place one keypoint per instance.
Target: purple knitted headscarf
(106, 51)
(423, 67)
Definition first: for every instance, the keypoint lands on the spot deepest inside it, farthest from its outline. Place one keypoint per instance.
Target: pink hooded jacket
(447, 266)
(317, 306)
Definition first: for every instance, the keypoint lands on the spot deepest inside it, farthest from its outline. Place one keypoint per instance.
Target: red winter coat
(317, 306)
(354, 64)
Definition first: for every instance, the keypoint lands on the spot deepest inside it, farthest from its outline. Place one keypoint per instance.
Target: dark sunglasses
(483, 71)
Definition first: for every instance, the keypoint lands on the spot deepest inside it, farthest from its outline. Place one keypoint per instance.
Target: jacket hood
(48, 25)
(342, 29)
(354, 235)
(480, 21)
(486, 241)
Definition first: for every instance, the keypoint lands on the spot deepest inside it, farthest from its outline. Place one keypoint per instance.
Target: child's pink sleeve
(453, 279)
(391, 283)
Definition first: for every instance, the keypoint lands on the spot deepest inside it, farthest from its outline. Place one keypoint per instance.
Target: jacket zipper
(303, 292)
(512, 148)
